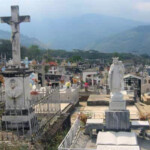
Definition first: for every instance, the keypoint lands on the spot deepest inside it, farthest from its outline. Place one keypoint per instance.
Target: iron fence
(45, 106)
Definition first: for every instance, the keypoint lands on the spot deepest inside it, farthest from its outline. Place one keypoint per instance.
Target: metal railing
(46, 105)
(70, 137)
(2, 94)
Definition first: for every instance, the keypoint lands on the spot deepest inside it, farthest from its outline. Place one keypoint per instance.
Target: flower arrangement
(34, 93)
(75, 81)
(1, 79)
(68, 84)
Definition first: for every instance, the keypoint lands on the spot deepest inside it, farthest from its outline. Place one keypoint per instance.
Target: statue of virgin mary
(115, 79)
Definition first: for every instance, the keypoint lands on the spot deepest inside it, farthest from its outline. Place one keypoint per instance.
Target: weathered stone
(139, 124)
(18, 112)
(14, 22)
(117, 120)
(117, 105)
(91, 124)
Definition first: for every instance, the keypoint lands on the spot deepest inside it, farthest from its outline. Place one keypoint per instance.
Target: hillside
(25, 41)
(136, 40)
(78, 32)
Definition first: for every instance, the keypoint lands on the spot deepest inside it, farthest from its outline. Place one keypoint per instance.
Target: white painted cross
(14, 22)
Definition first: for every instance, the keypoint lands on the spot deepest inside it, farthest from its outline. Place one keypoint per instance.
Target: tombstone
(18, 111)
(117, 117)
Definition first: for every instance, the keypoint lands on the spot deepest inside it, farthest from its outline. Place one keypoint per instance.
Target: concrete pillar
(92, 80)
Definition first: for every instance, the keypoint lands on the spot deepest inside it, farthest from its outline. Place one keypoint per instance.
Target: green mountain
(25, 40)
(77, 32)
(136, 40)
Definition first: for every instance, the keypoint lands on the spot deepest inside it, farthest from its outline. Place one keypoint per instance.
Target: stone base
(19, 121)
(116, 96)
(117, 105)
(117, 120)
(91, 124)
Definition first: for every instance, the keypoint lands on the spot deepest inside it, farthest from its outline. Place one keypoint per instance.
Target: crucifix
(14, 21)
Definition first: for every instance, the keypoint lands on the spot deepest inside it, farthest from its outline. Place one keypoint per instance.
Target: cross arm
(24, 19)
(5, 20)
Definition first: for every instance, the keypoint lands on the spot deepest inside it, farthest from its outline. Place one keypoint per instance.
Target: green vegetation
(136, 40)
(16, 146)
(34, 52)
(52, 144)
(75, 58)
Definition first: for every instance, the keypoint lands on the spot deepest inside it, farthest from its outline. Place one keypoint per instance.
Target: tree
(35, 53)
(6, 48)
(115, 54)
(75, 59)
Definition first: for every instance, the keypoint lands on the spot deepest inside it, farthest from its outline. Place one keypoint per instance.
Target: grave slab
(117, 138)
(110, 147)
(140, 124)
(91, 124)
(103, 100)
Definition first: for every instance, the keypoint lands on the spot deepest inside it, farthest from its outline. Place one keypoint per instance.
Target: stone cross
(14, 22)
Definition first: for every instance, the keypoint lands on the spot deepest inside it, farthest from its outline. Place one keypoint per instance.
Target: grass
(53, 143)
(5, 146)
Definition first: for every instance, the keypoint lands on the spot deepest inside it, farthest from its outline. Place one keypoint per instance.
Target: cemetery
(117, 126)
(81, 105)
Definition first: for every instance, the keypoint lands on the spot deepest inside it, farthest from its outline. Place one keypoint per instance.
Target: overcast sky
(130, 9)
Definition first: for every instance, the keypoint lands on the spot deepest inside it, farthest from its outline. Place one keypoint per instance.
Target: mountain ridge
(135, 40)
(25, 40)
(75, 32)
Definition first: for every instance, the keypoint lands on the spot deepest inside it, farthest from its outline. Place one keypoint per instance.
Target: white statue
(115, 79)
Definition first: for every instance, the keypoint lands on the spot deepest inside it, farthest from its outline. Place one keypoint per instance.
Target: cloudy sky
(130, 9)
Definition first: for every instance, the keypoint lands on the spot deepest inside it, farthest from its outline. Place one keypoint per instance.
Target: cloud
(143, 6)
(132, 9)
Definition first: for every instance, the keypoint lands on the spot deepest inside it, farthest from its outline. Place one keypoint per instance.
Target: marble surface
(94, 121)
(117, 120)
(110, 147)
(117, 138)
(115, 79)
(140, 123)
(117, 105)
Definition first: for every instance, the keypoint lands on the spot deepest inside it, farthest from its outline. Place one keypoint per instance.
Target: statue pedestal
(117, 105)
(117, 96)
(19, 119)
(117, 117)
(117, 120)
(18, 113)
